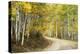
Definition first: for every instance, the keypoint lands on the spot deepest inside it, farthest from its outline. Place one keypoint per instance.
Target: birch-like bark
(72, 29)
(19, 28)
(23, 33)
(17, 16)
(56, 29)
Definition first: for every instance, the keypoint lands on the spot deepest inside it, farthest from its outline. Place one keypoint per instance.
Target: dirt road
(59, 44)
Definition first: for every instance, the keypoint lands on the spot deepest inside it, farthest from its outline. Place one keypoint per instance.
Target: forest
(34, 26)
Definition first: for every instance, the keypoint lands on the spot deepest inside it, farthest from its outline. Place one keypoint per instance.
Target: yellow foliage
(27, 7)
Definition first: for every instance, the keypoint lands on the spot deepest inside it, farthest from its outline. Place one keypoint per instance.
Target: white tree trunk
(24, 24)
(17, 21)
(61, 33)
(23, 35)
(16, 28)
(19, 29)
(56, 29)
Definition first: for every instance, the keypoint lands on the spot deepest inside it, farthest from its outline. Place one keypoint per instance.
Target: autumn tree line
(52, 20)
